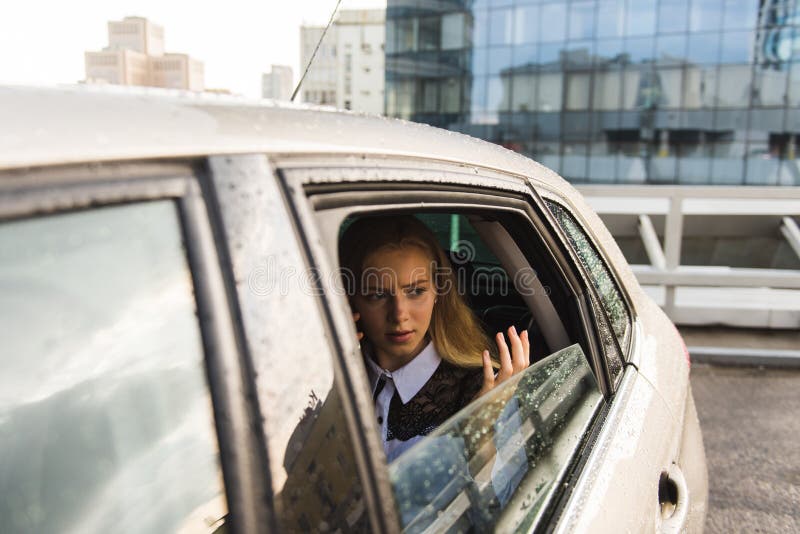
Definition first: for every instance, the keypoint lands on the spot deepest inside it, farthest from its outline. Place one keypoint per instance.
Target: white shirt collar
(410, 378)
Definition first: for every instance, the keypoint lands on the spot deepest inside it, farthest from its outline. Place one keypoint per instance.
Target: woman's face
(396, 303)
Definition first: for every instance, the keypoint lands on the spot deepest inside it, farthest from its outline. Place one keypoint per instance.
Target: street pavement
(750, 418)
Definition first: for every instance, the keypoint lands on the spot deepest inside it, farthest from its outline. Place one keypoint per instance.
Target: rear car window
(598, 273)
(497, 463)
(106, 421)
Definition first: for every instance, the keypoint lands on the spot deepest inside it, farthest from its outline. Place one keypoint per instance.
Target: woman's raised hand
(511, 362)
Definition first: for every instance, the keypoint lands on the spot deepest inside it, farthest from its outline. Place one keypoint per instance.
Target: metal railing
(709, 294)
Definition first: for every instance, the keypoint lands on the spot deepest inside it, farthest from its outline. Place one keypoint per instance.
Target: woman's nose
(398, 308)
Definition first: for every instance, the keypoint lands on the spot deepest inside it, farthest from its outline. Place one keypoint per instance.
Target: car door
(321, 475)
(325, 191)
(635, 460)
(123, 405)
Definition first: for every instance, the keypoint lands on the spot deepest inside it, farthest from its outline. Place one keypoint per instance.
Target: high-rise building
(177, 71)
(319, 85)
(348, 70)
(609, 91)
(119, 67)
(360, 41)
(138, 34)
(278, 83)
(135, 56)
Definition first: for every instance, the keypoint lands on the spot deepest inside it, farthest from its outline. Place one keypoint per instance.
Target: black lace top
(445, 393)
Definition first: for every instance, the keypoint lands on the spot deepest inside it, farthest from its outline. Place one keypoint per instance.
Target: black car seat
(499, 318)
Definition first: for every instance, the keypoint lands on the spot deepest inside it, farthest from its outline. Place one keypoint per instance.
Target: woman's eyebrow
(415, 283)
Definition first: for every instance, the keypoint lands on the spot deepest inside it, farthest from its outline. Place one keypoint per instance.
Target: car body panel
(692, 462)
(48, 126)
(651, 424)
(634, 439)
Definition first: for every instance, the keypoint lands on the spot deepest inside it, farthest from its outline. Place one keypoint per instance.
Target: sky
(42, 41)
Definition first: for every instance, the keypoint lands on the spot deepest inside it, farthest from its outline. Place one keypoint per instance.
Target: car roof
(61, 125)
(51, 126)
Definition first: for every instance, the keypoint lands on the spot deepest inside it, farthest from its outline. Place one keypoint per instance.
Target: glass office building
(609, 91)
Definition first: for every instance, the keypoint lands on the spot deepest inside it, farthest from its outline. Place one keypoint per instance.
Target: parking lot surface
(751, 430)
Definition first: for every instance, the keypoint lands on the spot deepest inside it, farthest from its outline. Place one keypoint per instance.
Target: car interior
(502, 283)
(508, 276)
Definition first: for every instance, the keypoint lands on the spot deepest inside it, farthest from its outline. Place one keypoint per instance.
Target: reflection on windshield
(495, 464)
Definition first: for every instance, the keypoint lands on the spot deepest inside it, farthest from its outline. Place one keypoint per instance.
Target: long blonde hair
(454, 330)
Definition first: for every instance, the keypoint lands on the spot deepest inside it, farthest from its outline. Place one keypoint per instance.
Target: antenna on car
(314, 54)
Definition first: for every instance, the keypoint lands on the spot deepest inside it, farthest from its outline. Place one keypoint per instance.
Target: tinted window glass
(599, 275)
(496, 464)
(105, 417)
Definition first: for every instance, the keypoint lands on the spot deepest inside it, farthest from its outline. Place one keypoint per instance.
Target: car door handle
(673, 498)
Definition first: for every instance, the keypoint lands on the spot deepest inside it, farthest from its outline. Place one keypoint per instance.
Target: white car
(178, 354)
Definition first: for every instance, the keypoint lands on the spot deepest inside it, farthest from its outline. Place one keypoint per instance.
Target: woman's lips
(400, 337)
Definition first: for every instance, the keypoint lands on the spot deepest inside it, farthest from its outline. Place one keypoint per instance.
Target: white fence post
(791, 232)
(651, 244)
(673, 234)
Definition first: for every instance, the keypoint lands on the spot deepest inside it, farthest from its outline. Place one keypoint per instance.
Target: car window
(610, 297)
(497, 463)
(106, 421)
(498, 299)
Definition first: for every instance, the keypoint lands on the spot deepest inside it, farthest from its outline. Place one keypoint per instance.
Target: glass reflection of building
(609, 91)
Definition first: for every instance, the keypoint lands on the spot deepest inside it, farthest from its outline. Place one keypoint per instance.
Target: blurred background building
(319, 85)
(348, 71)
(135, 56)
(277, 84)
(609, 91)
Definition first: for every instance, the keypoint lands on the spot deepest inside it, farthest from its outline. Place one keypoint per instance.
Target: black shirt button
(380, 420)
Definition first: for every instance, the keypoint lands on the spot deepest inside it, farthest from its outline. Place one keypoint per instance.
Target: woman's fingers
(506, 366)
(512, 361)
(526, 347)
(517, 350)
(356, 317)
(488, 374)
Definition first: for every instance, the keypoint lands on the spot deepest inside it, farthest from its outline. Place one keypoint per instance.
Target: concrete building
(277, 84)
(319, 85)
(135, 56)
(119, 67)
(177, 71)
(138, 34)
(361, 35)
(348, 70)
(609, 91)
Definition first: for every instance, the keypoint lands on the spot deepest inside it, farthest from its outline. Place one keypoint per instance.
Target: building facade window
(667, 91)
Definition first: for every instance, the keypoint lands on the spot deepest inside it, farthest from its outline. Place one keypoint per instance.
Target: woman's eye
(417, 291)
(376, 295)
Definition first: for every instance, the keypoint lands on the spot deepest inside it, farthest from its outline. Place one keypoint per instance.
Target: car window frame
(38, 192)
(627, 351)
(345, 184)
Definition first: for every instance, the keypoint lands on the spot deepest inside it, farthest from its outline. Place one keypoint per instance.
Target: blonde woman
(426, 354)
